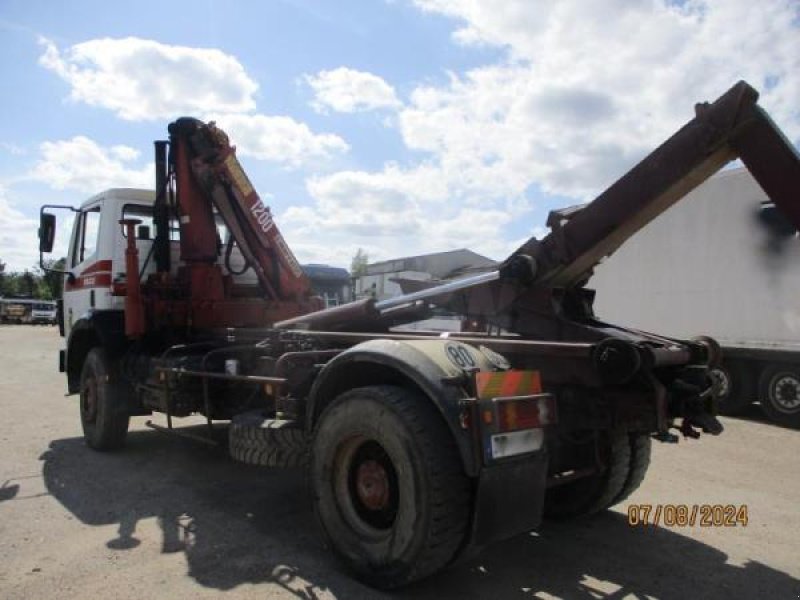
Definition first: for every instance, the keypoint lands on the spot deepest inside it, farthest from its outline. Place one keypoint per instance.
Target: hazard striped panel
(498, 384)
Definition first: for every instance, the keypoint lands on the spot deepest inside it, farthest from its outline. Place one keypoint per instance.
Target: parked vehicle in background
(24, 311)
(725, 261)
(13, 310)
(43, 313)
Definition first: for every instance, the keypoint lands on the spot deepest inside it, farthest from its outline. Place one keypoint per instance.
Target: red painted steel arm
(734, 126)
(218, 175)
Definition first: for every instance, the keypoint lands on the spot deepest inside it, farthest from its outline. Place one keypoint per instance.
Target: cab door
(89, 277)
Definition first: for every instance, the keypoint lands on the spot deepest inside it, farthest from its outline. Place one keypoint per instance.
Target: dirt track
(171, 518)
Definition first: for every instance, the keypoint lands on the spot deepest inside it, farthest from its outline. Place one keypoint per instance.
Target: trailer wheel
(103, 402)
(734, 387)
(255, 439)
(388, 485)
(780, 394)
(626, 459)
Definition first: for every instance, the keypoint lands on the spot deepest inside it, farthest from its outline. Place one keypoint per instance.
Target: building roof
(440, 265)
(326, 273)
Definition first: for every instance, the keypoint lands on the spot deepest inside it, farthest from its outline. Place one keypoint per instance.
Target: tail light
(513, 412)
(501, 415)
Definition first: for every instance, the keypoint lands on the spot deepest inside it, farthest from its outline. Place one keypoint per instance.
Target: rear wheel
(103, 402)
(641, 446)
(734, 387)
(626, 457)
(780, 394)
(388, 484)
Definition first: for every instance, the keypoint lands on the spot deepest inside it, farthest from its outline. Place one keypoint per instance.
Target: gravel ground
(168, 517)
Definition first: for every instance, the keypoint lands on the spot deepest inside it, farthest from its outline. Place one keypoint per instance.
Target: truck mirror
(47, 231)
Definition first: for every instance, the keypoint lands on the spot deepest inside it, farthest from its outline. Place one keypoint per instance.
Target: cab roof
(123, 195)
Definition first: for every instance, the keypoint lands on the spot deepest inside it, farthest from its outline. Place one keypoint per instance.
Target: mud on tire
(103, 402)
(388, 485)
(255, 439)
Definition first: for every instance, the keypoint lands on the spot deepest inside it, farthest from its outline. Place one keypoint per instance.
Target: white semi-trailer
(724, 262)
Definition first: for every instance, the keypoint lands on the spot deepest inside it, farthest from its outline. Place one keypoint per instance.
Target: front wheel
(388, 484)
(103, 403)
(780, 394)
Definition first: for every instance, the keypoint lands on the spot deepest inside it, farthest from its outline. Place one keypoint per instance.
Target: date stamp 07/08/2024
(687, 515)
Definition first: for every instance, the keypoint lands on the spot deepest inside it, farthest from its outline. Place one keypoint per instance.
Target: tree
(358, 266)
(50, 278)
(38, 283)
(29, 284)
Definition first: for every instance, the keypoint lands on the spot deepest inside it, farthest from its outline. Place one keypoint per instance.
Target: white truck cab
(43, 312)
(96, 253)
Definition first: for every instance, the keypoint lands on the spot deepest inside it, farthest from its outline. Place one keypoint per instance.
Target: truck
(733, 267)
(14, 310)
(27, 311)
(421, 448)
(43, 312)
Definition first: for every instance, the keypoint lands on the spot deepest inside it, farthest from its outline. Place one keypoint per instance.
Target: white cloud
(280, 139)
(18, 239)
(587, 90)
(581, 93)
(347, 90)
(390, 213)
(13, 149)
(144, 80)
(82, 164)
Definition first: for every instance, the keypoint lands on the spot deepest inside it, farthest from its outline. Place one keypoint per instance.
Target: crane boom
(208, 174)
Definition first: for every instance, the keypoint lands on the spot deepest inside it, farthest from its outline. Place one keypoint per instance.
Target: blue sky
(400, 127)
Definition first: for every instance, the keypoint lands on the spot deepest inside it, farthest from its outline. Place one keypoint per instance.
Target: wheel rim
(365, 486)
(721, 381)
(372, 485)
(784, 392)
(89, 401)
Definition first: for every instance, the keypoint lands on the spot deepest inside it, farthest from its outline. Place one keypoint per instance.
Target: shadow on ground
(755, 414)
(239, 524)
(8, 492)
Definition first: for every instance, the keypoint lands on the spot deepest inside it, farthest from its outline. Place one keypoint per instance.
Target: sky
(397, 126)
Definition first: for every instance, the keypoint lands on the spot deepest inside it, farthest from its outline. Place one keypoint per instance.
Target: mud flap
(509, 499)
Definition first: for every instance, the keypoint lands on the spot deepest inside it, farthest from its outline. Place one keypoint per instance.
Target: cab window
(85, 243)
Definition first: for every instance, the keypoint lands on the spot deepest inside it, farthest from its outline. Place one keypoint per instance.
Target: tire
(389, 489)
(735, 387)
(641, 447)
(103, 402)
(627, 457)
(779, 392)
(256, 440)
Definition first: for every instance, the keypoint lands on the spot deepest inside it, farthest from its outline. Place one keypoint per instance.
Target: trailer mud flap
(509, 499)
